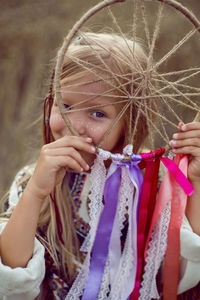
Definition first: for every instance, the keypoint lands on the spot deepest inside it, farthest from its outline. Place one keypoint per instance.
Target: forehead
(91, 90)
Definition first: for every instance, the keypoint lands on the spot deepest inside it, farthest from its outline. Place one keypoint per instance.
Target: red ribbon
(175, 186)
(151, 161)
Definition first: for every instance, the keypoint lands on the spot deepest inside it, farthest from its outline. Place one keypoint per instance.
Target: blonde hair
(121, 64)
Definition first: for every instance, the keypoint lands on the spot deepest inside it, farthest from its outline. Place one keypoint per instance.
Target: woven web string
(172, 89)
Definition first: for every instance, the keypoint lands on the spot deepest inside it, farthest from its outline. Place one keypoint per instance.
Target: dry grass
(31, 32)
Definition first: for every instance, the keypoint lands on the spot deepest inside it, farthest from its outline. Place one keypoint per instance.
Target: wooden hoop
(92, 11)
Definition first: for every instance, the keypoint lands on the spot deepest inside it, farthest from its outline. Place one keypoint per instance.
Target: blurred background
(30, 35)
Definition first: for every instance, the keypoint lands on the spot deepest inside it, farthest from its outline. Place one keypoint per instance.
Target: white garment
(190, 258)
(24, 283)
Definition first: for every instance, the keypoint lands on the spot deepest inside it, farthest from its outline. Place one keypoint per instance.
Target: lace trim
(155, 256)
(113, 287)
(104, 293)
(98, 174)
(126, 263)
(77, 288)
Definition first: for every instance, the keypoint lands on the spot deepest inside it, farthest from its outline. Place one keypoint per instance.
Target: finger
(191, 126)
(68, 140)
(191, 150)
(80, 143)
(68, 151)
(69, 163)
(187, 134)
(180, 126)
(185, 142)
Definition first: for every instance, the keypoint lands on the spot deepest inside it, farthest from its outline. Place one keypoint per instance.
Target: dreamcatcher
(111, 272)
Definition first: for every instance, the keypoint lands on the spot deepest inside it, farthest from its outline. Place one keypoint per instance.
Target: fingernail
(88, 139)
(175, 136)
(184, 127)
(87, 167)
(81, 169)
(172, 143)
(93, 149)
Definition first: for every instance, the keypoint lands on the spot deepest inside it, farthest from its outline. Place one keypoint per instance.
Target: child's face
(89, 122)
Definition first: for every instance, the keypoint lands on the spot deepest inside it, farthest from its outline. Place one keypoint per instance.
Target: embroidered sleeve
(18, 186)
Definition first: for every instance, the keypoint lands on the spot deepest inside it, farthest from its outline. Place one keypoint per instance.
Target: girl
(50, 202)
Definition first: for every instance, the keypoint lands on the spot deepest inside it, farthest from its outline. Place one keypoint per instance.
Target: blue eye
(66, 106)
(98, 114)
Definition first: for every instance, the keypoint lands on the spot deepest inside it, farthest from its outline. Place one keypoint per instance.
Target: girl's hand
(54, 160)
(187, 141)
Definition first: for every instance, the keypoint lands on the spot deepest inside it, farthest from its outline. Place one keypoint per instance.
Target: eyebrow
(100, 105)
(96, 100)
(94, 95)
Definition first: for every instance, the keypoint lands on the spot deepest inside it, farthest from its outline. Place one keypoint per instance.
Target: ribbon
(175, 186)
(102, 238)
(105, 226)
(152, 162)
(179, 200)
(165, 193)
(108, 228)
(178, 175)
(136, 178)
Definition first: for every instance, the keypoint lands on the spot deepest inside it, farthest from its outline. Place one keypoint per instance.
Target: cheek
(96, 131)
(114, 141)
(56, 122)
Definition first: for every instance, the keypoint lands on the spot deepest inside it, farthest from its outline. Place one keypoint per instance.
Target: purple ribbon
(105, 226)
(102, 238)
(136, 174)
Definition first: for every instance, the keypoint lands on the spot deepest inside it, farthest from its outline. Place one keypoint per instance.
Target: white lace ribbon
(98, 177)
(120, 269)
(155, 256)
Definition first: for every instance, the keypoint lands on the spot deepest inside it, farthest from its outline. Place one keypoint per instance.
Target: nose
(78, 122)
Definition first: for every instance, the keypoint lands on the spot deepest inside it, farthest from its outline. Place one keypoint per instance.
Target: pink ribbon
(178, 175)
(179, 199)
(166, 189)
(175, 186)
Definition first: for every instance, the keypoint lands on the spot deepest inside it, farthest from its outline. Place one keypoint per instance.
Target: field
(31, 33)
